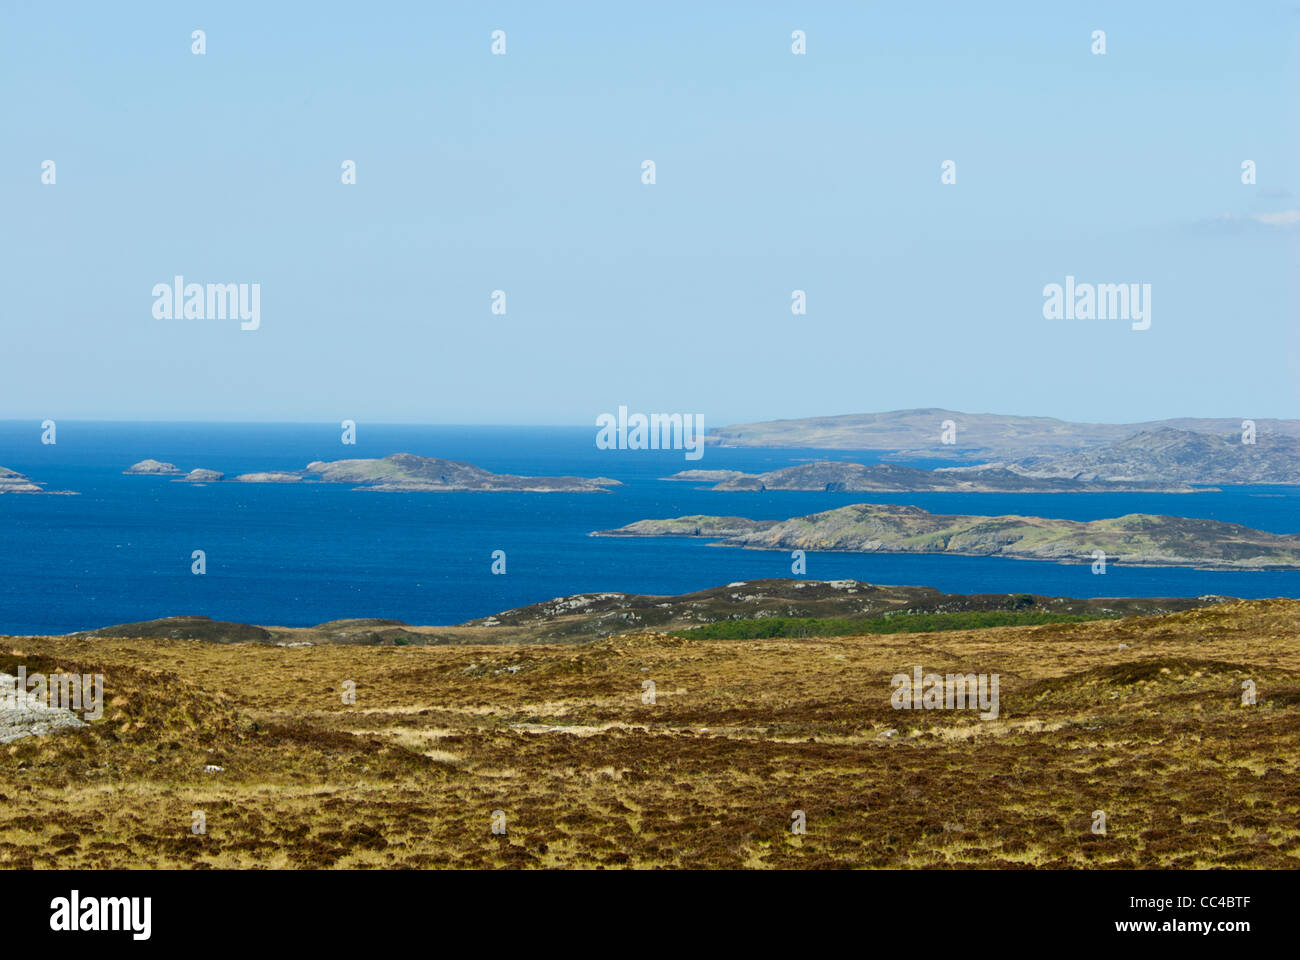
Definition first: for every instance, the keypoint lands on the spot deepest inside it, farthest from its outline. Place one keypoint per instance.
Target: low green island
(1134, 539)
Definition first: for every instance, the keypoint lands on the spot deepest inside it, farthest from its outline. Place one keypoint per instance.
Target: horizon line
(783, 419)
(586, 426)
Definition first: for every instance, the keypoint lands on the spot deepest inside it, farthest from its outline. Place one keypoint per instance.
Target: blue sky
(522, 172)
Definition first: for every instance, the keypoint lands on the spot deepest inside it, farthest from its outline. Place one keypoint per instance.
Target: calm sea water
(296, 555)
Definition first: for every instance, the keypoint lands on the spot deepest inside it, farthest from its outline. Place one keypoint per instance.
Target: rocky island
(1135, 539)
(153, 468)
(400, 472)
(11, 481)
(158, 468)
(706, 476)
(405, 471)
(270, 476)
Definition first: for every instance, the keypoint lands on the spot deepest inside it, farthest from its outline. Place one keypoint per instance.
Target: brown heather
(744, 733)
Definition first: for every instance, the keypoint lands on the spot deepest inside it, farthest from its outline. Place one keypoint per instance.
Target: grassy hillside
(591, 616)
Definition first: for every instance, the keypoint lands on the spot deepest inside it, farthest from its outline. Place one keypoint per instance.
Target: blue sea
(301, 554)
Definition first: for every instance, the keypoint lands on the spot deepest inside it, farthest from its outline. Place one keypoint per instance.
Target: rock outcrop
(23, 714)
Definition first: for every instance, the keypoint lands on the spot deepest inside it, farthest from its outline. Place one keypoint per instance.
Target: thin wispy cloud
(1286, 218)
(1237, 223)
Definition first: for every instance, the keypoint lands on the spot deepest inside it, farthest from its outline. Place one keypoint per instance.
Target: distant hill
(1170, 455)
(833, 476)
(917, 433)
(593, 616)
(1135, 539)
(183, 628)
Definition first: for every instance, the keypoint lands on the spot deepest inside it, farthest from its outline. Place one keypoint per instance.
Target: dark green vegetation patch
(771, 627)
